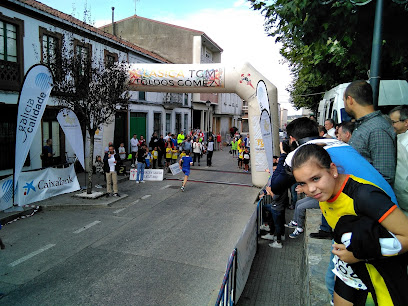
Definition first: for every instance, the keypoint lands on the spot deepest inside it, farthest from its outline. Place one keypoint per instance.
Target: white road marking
(133, 203)
(22, 259)
(119, 210)
(164, 187)
(146, 196)
(86, 227)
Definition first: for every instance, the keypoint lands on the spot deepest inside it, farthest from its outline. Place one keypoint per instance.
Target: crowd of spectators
(372, 149)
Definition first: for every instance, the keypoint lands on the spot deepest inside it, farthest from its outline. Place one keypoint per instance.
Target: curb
(28, 210)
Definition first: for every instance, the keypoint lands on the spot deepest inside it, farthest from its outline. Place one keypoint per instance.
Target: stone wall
(317, 255)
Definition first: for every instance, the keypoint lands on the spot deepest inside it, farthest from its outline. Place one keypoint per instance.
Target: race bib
(346, 274)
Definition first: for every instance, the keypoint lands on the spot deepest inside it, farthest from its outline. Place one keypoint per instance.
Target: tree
(327, 43)
(91, 89)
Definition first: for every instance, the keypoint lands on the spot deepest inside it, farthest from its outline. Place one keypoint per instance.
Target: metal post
(376, 53)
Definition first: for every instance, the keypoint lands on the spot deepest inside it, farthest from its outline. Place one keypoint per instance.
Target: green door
(138, 124)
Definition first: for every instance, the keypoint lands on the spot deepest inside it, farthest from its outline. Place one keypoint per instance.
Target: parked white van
(392, 93)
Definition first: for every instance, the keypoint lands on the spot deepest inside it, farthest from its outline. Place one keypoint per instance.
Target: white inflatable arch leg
(216, 78)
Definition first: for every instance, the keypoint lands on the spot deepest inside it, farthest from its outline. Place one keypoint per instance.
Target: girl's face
(317, 182)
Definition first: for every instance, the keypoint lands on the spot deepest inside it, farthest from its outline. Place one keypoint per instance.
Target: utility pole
(375, 67)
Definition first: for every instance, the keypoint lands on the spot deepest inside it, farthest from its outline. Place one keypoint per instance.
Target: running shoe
(296, 232)
(276, 245)
(291, 224)
(269, 237)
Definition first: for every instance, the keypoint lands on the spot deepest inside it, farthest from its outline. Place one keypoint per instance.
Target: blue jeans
(140, 171)
(277, 220)
(294, 193)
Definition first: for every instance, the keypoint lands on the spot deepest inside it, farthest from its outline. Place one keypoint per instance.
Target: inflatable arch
(243, 80)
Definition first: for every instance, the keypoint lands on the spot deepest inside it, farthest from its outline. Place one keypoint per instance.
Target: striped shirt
(374, 138)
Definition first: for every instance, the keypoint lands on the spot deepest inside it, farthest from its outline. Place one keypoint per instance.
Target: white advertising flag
(32, 101)
(34, 186)
(265, 122)
(72, 130)
(6, 193)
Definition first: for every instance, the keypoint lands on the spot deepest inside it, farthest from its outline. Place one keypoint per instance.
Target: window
(186, 129)
(110, 58)
(185, 99)
(168, 121)
(157, 123)
(83, 52)
(51, 50)
(11, 53)
(8, 126)
(142, 96)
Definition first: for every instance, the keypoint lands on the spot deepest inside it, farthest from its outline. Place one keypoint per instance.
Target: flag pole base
(14, 209)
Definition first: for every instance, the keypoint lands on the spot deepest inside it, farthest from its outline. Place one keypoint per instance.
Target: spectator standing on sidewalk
(180, 140)
(134, 145)
(142, 141)
(246, 158)
(161, 146)
(98, 167)
(169, 152)
(111, 162)
(247, 142)
(141, 159)
(234, 147)
(122, 151)
(186, 145)
(345, 131)
(219, 141)
(197, 147)
(277, 210)
(47, 154)
(155, 155)
(373, 136)
(399, 118)
(210, 151)
(329, 126)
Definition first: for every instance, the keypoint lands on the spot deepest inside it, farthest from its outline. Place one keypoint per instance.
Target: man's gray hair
(403, 109)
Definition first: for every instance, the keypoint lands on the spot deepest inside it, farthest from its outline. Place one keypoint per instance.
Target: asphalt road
(157, 246)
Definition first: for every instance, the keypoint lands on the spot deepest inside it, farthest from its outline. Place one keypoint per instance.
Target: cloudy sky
(236, 28)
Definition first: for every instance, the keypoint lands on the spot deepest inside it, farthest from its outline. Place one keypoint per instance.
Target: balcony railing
(172, 100)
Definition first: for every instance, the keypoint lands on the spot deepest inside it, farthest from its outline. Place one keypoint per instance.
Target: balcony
(172, 100)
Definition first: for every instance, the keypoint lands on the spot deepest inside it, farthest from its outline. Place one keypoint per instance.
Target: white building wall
(32, 55)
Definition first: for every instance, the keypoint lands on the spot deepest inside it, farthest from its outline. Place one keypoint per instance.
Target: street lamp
(208, 103)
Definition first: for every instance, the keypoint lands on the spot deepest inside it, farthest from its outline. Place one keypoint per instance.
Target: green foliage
(329, 44)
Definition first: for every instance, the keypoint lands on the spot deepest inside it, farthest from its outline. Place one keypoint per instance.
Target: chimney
(113, 21)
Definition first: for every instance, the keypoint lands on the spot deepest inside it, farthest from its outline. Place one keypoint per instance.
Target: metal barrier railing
(226, 296)
(227, 293)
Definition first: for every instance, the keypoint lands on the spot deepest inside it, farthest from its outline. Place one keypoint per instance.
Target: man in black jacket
(161, 146)
(111, 162)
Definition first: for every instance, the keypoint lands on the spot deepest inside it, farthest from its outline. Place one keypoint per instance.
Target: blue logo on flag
(29, 186)
(7, 189)
(43, 81)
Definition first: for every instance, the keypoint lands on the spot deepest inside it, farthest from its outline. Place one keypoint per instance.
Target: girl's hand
(344, 254)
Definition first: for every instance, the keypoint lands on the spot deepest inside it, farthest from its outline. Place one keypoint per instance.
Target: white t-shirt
(122, 152)
(112, 163)
(332, 132)
(134, 144)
